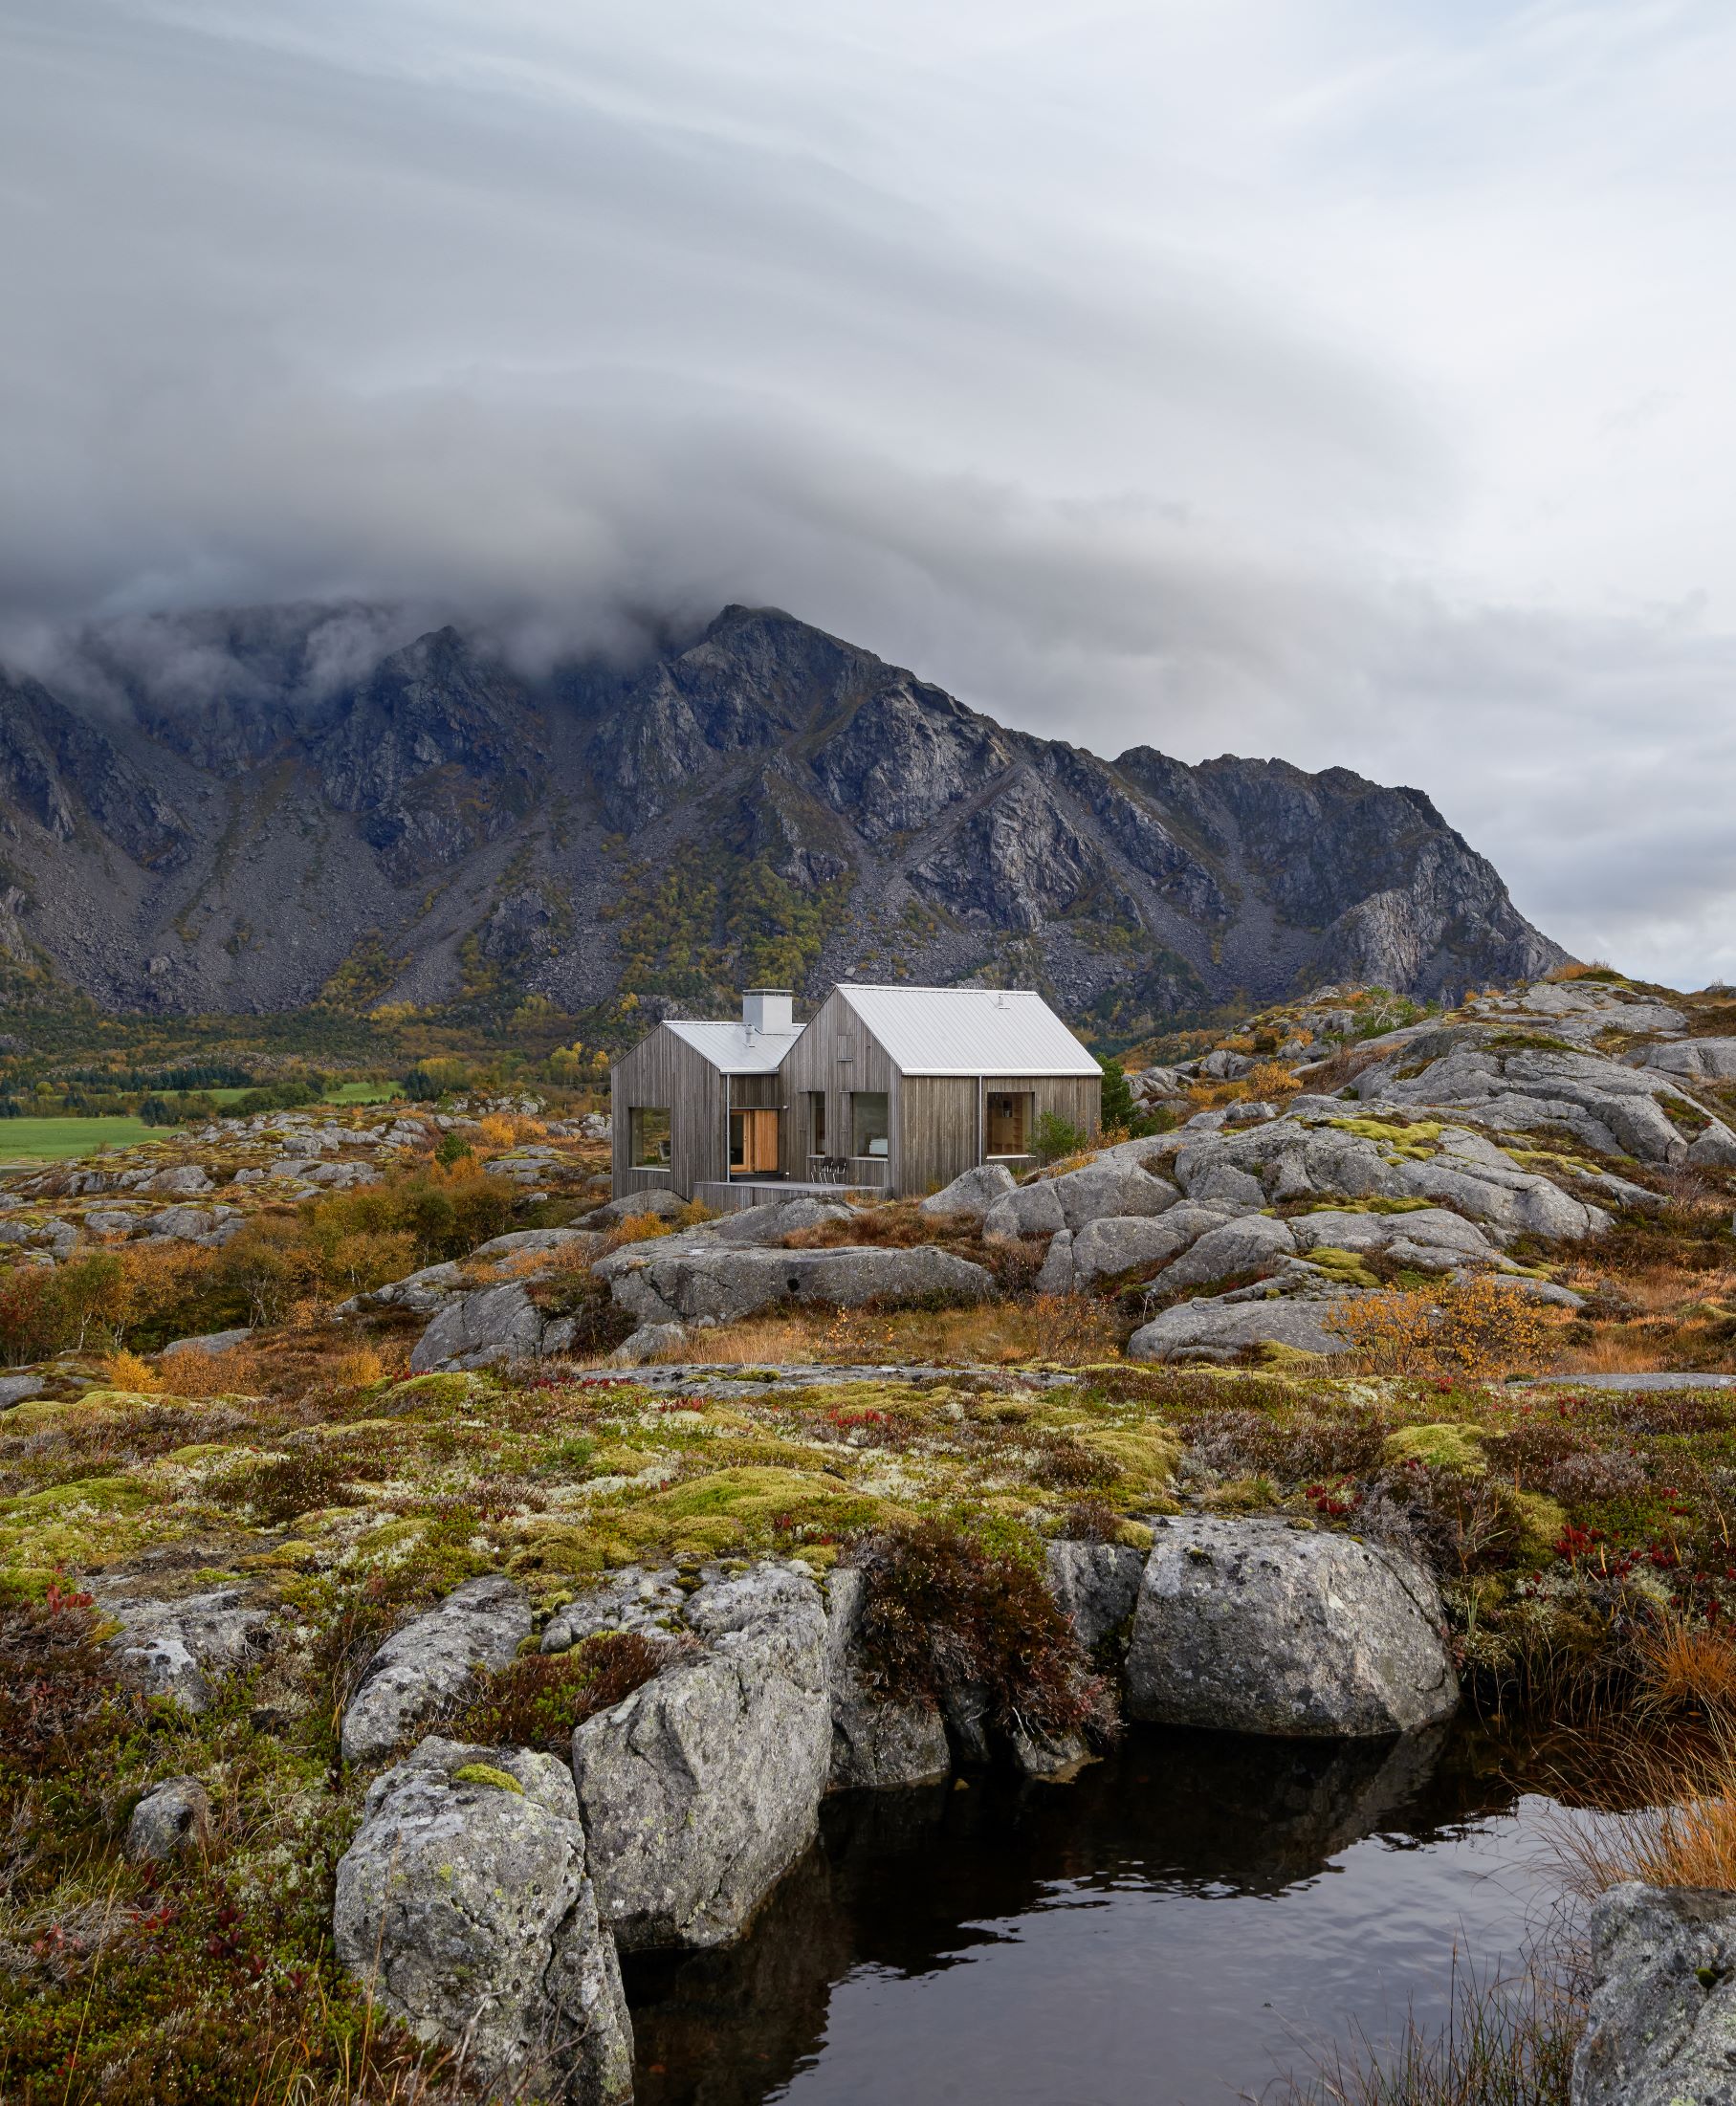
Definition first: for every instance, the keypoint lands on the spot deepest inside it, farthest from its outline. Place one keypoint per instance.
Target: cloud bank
(1324, 377)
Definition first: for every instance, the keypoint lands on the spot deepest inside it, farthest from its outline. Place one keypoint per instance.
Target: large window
(648, 1136)
(868, 1122)
(1006, 1117)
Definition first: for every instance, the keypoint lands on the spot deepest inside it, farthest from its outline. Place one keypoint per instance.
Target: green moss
(1275, 1353)
(103, 1495)
(558, 1546)
(444, 1389)
(621, 1461)
(731, 1507)
(1444, 1447)
(1343, 1265)
(1549, 1158)
(1405, 1137)
(1369, 1206)
(1541, 1523)
(485, 1773)
(1530, 1042)
(1144, 1458)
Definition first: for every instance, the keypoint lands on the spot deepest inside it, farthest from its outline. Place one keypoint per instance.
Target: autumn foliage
(1477, 1329)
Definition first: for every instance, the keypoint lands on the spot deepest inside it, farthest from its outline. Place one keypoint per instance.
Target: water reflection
(1166, 1927)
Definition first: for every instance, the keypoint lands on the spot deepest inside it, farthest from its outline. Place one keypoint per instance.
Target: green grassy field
(363, 1093)
(60, 1140)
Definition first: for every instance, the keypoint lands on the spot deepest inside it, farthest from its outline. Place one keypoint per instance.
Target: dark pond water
(1176, 1926)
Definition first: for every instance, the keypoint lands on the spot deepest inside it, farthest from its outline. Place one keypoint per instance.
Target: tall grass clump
(1507, 2040)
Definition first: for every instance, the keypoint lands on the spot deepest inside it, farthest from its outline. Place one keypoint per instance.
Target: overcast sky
(1345, 379)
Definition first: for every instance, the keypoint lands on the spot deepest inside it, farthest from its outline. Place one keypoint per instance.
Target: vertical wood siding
(663, 1069)
(933, 1121)
(812, 1064)
(937, 1130)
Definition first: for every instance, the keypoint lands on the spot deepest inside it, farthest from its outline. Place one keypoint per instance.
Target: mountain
(264, 812)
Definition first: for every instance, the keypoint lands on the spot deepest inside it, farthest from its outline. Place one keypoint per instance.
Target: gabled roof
(733, 1049)
(969, 1031)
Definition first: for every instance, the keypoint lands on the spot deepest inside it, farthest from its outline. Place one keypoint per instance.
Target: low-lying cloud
(1330, 381)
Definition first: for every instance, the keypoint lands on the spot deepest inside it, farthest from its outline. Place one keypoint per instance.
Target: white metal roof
(969, 1031)
(734, 1049)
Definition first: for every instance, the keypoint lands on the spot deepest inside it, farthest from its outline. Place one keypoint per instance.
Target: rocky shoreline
(682, 1805)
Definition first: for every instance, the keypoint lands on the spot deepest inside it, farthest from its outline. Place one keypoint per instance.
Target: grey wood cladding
(936, 1123)
(664, 1071)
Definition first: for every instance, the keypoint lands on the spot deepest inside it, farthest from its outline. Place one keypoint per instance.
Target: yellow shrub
(497, 1130)
(1479, 1329)
(637, 1228)
(125, 1371)
(1268, 1079)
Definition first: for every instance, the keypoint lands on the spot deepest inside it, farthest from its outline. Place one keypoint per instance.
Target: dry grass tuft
(1681, 1829)
(236, 1370)
(365, 1365)
(1071, 1331)
(636, 1228)
(1508, 2041)
(1688, 1666)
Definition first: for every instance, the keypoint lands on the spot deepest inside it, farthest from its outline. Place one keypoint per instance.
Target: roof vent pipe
(768, 1009)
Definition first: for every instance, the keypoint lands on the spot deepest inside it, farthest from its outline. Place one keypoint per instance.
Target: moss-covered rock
(1447, 1446)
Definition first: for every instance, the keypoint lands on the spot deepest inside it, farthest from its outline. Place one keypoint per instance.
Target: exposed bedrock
(466, 1904)
(1660, 2029)
(703, 1787)
(1258, 1627)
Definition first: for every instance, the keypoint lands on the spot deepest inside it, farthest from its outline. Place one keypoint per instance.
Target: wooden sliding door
(753, 1143)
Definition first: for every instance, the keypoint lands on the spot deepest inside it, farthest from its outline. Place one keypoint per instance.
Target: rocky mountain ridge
(767, 802)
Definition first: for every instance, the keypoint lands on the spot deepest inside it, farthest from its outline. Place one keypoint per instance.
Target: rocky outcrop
(1097, 1586)
(1222, 1328)
(465, 1907)
(662, 1203)
(677, 1278)
(1099, 1189)
(875, 1739)
(429, 1665)
(1660, 2029)
(630, 1599)
(1260, 1627)
(1606, 1105)
(485, 1326)
(969, 1194)
(768, 1225)
(703, 1787)
(178, 1648)
(1713, 1060)
(208, 1342)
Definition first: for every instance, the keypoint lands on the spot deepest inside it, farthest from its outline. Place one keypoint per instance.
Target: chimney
(768, 1009)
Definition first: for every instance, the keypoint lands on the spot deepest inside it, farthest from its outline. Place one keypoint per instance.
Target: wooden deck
(755, 1192)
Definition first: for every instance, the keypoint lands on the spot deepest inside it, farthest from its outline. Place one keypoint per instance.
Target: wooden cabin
(889, 1089)
(901, 1089)
(696, 1106)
